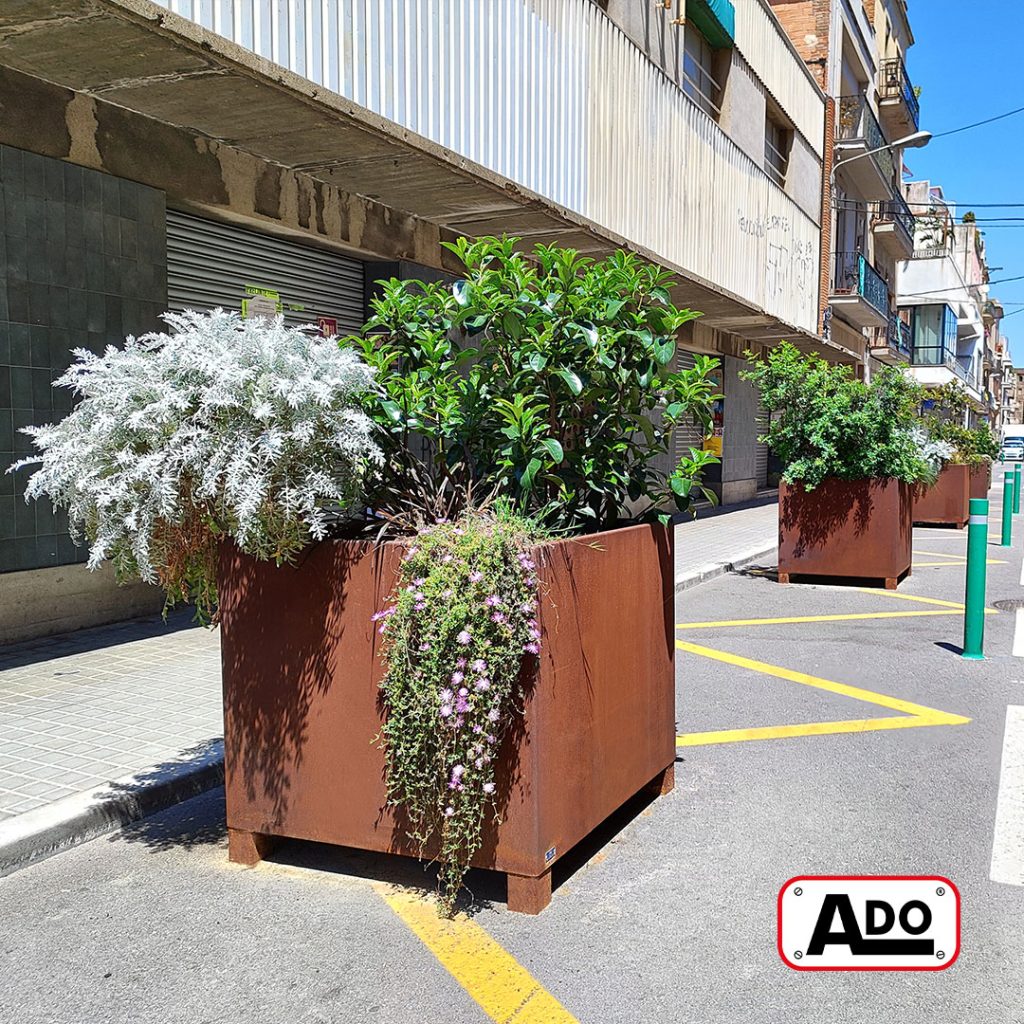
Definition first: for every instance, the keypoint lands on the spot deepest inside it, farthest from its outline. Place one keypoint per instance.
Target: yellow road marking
(502, 987)
(912, 714)
(813, 618)
(941, 554)
(910, 597)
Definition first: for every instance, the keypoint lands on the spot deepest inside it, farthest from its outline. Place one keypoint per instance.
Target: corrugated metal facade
(552, 95)
(211, 264)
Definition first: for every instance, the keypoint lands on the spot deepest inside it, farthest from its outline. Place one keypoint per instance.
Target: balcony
(858, 293)
(859, 133)
(893, 227)
(898, 337)
(897, 101)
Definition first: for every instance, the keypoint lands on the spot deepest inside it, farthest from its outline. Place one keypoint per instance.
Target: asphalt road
(668, 915)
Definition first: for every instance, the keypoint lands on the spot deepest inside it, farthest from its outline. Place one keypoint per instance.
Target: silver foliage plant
(249, 428)
(934, 451)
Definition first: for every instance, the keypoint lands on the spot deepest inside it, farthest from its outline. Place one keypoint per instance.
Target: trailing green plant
(222, 427)
(455, 635)
(828, 424)
(549, 379)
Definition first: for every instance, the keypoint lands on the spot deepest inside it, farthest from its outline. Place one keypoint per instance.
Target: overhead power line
(977, 124)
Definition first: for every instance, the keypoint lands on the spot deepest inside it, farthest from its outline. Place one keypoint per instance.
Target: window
(776, 150)
(698, 81)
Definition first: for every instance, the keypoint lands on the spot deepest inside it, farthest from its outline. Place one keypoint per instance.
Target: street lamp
(915, 141)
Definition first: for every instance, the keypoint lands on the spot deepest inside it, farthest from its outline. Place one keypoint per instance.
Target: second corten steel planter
(859, 529)
(947, 501)
(302, 708)
(981, 479)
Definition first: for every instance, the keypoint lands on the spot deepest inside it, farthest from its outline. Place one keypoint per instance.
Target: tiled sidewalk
(720, 536)
(87, 708)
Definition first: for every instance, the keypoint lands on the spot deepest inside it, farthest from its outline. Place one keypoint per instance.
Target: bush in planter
(548, 384)
(943, 411)
(827, 424)
(222, 427)
(548, 380)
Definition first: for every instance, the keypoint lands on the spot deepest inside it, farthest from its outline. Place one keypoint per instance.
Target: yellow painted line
(941, 554)
(910, 597)
(782, 732)
(813, 618)
(501, 986)
(913, 715)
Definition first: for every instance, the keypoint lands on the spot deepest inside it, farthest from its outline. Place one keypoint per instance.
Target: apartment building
(857, 52)
(944, 297)
(192, 153)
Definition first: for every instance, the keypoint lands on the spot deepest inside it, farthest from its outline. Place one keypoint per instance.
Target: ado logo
(869, 923)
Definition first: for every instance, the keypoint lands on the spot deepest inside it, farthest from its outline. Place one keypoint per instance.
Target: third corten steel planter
(945, 502)
(302, 707)
(860, 529)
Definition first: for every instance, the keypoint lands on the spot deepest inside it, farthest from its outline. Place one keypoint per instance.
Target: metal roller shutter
(760, 448)
(688, 433)
(209, 264)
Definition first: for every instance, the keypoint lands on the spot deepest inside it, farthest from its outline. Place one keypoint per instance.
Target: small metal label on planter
(550, 855)
(869, 923)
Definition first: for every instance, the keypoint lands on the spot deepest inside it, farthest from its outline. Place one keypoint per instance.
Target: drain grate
(1010, 604)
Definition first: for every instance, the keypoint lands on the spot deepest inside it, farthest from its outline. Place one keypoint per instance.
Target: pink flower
(475, 577)
(459, 722)
(479, 665)
(446, 696)
(492, 715)
(465, 638)
(479, 762)
(477, 729)
(449, 811)
(491, 739)
(458, 771)
(531, 581)
(482, 684)
(462, 705)
(488, 787)
(493, 601)
(531, 648)
(460, 663)
(457, 678)
(446, 710)
(498, 617)
(463, 692)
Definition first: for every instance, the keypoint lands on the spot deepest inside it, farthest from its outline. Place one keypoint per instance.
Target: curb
(38, 834)
(712, 570)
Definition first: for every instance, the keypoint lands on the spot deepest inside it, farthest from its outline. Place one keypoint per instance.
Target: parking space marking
(501, 986)
(1007, 863)
(911, 715)
(913, 597)
(848, 617)
(961, 563)
(941, 554)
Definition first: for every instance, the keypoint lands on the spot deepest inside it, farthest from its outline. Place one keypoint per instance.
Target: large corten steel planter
(859, 529)
(302, 707)
(981, 479)
(947, 501)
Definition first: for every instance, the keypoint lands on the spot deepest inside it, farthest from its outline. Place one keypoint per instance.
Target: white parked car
(1012, 449)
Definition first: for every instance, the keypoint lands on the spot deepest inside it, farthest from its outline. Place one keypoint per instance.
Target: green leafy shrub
(828, 424)
(455, 635)
(944, 411)
(547, 380)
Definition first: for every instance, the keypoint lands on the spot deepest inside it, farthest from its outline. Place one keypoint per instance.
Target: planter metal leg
(527, 895)
(891, 582)
(664, 782)
(248, 847)
(783, 577)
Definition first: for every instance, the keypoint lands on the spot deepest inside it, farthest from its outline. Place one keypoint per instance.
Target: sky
(971, 68)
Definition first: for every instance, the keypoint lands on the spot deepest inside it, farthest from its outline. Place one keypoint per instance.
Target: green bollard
(1016, 489)
(974, 596)
(1007, 510)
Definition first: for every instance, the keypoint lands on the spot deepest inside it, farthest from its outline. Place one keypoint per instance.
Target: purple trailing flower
(446, 696)
(463, 692)
(488, 787)
(449, 811)
(478, 729)
(498, 617)
(531, 648)
(462, 706)
(492, 739)
(457, 772)
(459, 722)
(457, 678)
(479, 665)
(493, 715)
(475, 576)
(460, 663)
(479, 762)
(493, 601)
(465, 638)
(446, 711)
(483, 684)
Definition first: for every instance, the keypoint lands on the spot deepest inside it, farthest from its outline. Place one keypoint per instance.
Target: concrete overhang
(138, 56)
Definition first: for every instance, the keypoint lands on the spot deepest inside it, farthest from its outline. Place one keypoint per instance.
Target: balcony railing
(894, 83)
(853, 275)
(897, 211)
(858, 122)
(900, 335)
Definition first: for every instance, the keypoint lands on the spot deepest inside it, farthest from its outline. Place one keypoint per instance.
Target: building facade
(857, 53)
(191, 153)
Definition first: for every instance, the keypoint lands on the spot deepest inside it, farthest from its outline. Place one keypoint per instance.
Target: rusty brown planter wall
(981, 479)
(301, 674)
(946, 502)
(854, 528)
